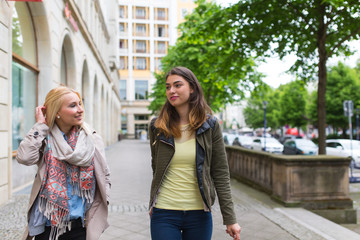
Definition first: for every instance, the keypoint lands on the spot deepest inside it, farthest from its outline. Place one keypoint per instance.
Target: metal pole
(357, 123)
(264, 105)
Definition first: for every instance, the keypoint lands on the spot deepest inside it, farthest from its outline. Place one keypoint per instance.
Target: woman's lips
(173, 97)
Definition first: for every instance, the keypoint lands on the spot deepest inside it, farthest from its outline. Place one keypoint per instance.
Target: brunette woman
(189, 165)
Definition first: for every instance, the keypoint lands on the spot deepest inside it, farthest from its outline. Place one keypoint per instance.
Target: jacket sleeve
(152, 143)
(100, 146)
(221, 176)
(28, 152)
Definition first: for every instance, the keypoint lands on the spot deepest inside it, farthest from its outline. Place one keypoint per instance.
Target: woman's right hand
(39, 114)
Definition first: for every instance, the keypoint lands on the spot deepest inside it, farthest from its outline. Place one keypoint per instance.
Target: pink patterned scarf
(53, 193)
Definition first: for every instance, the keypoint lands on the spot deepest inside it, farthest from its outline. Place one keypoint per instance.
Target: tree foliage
(315, 30)
(223, 75)
(343, 84)
(286, 105)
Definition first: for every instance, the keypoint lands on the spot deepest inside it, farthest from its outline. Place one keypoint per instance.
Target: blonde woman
(189, 165)
(70, 192)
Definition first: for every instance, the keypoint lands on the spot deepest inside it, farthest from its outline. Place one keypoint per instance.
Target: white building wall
(94, 43)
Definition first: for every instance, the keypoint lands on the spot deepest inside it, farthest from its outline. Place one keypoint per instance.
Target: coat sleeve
(28, 152)
(221, 176)
(100, 146)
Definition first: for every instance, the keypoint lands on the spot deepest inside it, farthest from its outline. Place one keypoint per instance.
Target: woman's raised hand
(39, 114)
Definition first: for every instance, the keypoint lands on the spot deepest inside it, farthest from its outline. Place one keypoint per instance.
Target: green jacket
(212, 168)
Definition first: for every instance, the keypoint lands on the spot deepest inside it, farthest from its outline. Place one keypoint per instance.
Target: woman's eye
(167, 88)
(178, 85)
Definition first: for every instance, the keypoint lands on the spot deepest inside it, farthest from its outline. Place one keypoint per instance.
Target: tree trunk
(321, 106)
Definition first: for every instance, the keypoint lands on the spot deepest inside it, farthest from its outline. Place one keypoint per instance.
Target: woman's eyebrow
(174, 82)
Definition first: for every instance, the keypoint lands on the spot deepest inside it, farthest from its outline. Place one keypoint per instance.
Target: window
(140, 13)
(141, 46)
(158, 63)
(122, 44)
(140, 30)
(123, 63)
(161, 14)
(141, 117)
(141, 89)
(161, 47)
(122, 12)
(24, 73)
(122, 89)
(184, 12)
(124, 124)
(161, 31)
(140, 63)
(122, 27)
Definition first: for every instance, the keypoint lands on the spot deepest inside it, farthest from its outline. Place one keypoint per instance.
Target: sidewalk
(129, 162)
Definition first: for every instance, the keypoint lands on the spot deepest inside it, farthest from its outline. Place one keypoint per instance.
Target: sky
(275, 69)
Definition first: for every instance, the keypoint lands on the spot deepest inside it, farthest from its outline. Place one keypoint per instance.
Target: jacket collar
(209, 123)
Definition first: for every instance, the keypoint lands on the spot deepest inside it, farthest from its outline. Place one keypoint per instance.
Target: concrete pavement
(129, 162)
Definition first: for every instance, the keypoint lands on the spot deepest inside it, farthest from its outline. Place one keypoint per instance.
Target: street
(129, 160)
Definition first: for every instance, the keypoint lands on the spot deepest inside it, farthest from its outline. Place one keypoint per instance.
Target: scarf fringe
(48, 208)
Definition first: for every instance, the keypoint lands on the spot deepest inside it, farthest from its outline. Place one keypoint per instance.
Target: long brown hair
(168, 120)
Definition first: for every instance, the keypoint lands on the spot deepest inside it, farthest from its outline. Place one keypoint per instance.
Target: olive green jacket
(212, 168)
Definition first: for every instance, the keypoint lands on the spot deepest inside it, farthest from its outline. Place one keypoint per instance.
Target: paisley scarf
(73, 158)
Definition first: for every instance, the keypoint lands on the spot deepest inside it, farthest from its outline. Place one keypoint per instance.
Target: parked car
(229, 138)
(243, 141)
(267, 144)
(300, 147)
(287, 136)
(344, 148)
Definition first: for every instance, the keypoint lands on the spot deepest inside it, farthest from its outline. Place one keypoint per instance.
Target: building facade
(45, 44)
(146, 30)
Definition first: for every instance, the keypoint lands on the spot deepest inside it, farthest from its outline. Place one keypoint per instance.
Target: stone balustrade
(319, 183)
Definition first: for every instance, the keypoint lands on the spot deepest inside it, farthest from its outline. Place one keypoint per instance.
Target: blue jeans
(180, 225)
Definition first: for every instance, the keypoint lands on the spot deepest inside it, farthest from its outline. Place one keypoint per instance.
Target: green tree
(254, 110)
(315, 30)
(292, 104)
(223, 76)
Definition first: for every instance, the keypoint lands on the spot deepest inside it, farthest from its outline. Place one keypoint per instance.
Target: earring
(58, 116)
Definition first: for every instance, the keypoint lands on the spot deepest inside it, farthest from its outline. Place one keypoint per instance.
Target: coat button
(36, 133)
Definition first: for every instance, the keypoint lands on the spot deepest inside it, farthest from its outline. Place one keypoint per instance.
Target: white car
(344, 148)
(268, 144)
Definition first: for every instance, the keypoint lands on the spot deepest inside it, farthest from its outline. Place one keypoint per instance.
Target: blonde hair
(53, 101)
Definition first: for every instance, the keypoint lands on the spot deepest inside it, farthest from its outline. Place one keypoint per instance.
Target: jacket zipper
(167, 166)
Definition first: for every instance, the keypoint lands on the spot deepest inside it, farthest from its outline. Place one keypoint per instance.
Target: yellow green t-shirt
(180, 190)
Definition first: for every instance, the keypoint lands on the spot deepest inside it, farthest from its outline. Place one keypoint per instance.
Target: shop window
(141, 117)
(24, 73)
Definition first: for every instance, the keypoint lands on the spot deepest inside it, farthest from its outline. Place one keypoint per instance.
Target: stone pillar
(5, 100)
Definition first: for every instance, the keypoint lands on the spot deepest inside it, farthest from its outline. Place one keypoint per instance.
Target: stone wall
(318, 183)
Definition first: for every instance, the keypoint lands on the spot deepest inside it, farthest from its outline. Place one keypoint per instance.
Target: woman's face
(71, 112)
(178, 90)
